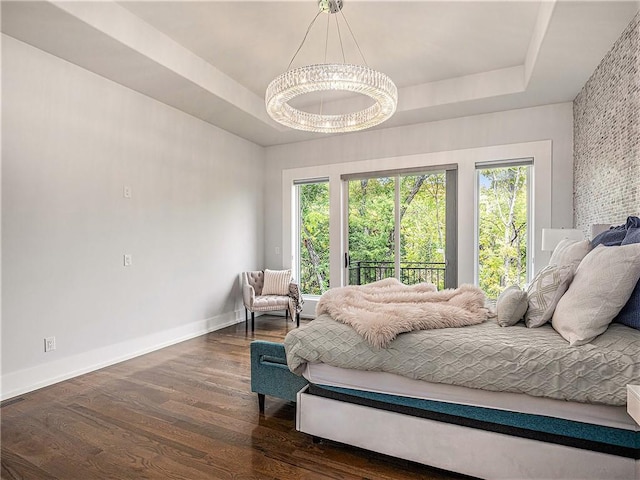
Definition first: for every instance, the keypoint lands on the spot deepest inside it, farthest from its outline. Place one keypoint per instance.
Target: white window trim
(540, 151)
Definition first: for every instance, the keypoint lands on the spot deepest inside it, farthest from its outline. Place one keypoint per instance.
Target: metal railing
(363, 272)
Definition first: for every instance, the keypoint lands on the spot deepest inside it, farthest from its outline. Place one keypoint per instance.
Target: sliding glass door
(423, 230)
(371, 230)
(402, 226)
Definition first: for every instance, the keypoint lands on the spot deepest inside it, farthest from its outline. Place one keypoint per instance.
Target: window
(462, 182)
(313, 236)
(402, 225)
(503, 235)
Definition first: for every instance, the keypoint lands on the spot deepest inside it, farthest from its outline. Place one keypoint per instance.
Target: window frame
(542, 188)
(296, 263)
(506, 163)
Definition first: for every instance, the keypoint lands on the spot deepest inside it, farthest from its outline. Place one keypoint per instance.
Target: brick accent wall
(606, 136)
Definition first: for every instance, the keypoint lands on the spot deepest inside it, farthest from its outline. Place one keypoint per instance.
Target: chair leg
(286, 315)
(253, 320)
(246, 319)
(298, 319)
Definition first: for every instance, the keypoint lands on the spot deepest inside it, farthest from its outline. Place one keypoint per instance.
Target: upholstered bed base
(477, 441)
(452, 442)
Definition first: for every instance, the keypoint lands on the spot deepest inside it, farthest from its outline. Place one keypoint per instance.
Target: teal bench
(270, 374)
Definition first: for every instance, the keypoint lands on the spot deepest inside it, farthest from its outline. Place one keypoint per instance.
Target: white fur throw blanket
(381, 310)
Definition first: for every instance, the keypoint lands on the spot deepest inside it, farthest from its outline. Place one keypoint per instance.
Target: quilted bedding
(534, 361)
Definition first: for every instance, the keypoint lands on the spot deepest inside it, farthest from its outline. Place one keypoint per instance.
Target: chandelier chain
(354, 38)
(326, 40)
(326, 48)
(344, 59)
(303, 40)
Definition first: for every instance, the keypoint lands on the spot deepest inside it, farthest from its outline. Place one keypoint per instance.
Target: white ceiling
(214, 59)
(409, 39)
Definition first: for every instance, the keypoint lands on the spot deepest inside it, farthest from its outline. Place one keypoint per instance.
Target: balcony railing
(363, 272)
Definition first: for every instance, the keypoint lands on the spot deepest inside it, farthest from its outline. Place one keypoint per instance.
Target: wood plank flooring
(183, 412)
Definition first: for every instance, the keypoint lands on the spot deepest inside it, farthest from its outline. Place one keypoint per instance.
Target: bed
(537, 409)
(485, 400)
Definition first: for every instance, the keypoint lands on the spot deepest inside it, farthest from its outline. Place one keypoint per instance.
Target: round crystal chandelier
(331, 77)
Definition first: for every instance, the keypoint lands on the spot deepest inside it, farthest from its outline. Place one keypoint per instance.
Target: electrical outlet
(127, 260)
(126, 191)
(49, 344)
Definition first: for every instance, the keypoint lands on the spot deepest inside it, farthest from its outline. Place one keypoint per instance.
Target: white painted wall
(461, 140)
(71, 141)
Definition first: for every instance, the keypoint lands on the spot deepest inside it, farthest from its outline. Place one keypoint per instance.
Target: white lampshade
(551, 237)
(598, 228)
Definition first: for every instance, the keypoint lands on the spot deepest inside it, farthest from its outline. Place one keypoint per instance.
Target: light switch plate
(49, 344)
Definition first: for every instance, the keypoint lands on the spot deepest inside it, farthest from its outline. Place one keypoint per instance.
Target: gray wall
(71, 141)
(607, 136)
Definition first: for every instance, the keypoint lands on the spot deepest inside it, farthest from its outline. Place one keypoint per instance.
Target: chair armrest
(248, 296)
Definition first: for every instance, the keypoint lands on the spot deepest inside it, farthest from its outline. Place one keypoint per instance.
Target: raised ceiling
(214, 59)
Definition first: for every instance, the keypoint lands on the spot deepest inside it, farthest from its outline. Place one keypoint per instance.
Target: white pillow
(569, 252)
(511, 306)
(545, 291)
(602, 285)
(276, 282)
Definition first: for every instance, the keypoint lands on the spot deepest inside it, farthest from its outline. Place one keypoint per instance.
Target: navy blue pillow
(632, 236)
(615, 235)
(632, 222)
(610, 238)
(630, 313)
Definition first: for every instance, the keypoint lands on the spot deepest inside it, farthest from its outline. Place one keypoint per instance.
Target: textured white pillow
(602, 285)
(545, 292)
(276, 282)
(569, 252)
(511, 306)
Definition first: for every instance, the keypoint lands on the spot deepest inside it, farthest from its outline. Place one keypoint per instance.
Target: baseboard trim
(33, 378)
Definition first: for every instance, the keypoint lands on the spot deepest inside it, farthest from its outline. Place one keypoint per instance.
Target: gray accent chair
(254, 301)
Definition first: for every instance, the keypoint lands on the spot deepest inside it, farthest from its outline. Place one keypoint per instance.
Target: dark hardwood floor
(183, 412)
